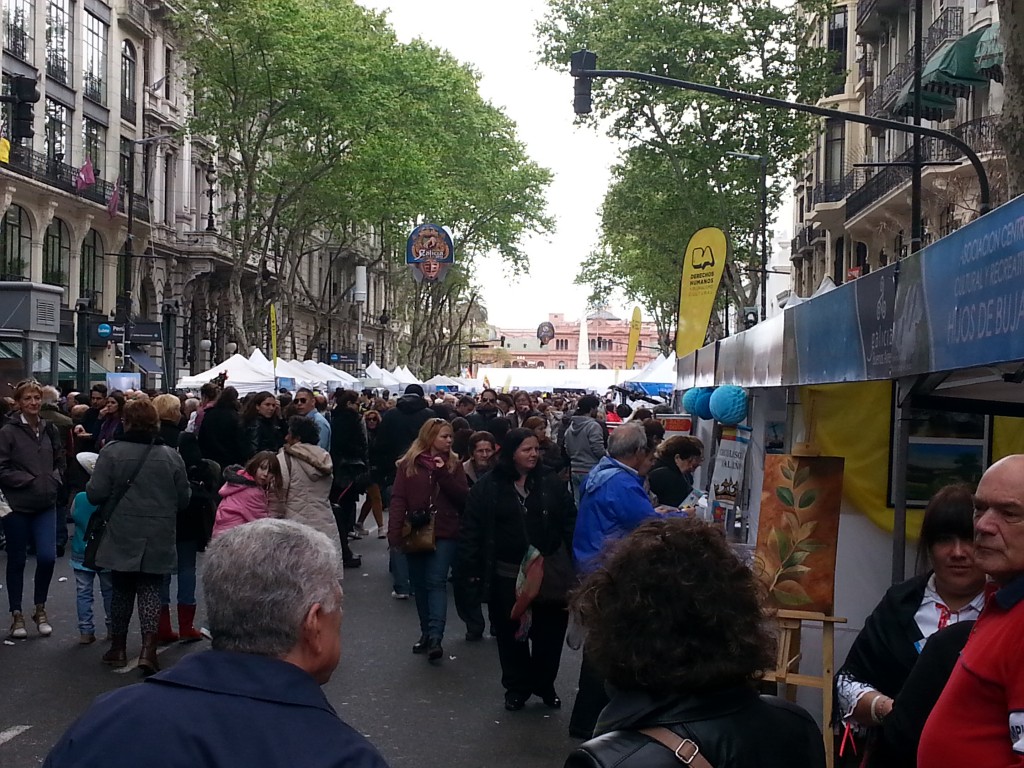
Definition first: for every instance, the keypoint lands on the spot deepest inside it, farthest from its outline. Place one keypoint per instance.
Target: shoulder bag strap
(686, 750)
(108, 509)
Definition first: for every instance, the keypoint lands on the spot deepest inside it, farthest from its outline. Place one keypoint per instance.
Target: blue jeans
(428, 574)
(186, 576)
(399, 568)
(84, 598)
(41, 530)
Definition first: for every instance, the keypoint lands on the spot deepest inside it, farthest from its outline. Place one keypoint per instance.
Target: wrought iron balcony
(806, 237)
(980, 134)
(135, 11)
(57, 67)
(866, 66)
(835, 190)
(949, 25)
(93, 87)
(60, 175)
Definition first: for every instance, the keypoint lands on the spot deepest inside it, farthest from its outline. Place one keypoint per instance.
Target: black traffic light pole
(583, 63)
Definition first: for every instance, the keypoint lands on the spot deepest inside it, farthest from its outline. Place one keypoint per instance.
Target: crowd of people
(550, 512)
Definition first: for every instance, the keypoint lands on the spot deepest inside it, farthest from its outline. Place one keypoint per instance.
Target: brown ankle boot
(164, 631)
(186, 626)
(116, 656)
(147, 656)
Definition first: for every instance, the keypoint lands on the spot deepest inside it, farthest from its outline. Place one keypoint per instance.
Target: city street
(416, 714)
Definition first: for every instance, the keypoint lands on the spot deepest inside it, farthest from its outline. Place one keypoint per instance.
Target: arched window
(15, 243)
(129, 69)
(91, 274)
(561, 365)
(57, 256)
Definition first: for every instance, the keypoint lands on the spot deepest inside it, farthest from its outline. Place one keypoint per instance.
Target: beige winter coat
(307, 474)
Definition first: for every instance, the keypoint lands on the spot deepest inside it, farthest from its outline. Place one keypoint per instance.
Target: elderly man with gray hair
(274, 608)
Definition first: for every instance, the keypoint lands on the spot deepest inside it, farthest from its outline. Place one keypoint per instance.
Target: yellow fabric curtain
(854, 421)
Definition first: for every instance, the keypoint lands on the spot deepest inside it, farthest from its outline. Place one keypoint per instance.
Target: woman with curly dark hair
(676, 624)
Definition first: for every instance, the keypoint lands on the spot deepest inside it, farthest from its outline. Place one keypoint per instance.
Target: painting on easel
(798, 530)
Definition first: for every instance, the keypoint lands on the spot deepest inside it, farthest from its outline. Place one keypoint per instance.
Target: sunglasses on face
(301, 400)
(372, 420)
(488, 400)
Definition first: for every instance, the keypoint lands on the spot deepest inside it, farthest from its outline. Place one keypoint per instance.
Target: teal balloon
(697, 401)
(728, 405)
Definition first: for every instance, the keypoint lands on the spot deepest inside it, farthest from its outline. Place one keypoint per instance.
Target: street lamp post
(763, 161)
(211, 180)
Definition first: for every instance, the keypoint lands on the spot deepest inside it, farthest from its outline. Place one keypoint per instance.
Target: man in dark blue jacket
(255, 699)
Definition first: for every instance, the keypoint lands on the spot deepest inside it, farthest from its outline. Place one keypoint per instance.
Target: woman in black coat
(671, 478)
(678, 628)
(263, 425)
(511, 508)
(221, 438)
(350, 459)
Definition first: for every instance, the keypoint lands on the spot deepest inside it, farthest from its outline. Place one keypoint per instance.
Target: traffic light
(579, 62)
(749, 317)
(368, 356)
(25, 94)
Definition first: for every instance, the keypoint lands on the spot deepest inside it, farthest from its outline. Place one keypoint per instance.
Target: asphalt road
(416, 714)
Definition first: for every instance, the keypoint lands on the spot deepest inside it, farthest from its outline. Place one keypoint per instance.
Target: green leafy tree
(677, 141)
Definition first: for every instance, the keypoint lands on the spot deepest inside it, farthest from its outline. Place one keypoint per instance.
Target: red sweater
(447, 489)
(978, 720)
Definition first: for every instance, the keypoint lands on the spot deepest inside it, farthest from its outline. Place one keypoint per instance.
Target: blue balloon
(690, 399)
(728, 405)
(702, 406)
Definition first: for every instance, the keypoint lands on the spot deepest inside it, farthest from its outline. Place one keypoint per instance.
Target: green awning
(952, 72)
(934, 106)
(988, 58)
(67, 360)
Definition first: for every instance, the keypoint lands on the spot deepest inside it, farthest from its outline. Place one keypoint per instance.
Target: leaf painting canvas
(798, 530)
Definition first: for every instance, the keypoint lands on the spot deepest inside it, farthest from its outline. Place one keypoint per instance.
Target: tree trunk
(1011, 18)
(236, 304)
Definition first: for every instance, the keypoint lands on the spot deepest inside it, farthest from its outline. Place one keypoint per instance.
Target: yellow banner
(273, 335)
(634, 337)
(703, 266)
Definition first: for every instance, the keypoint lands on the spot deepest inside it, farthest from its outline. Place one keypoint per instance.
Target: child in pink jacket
(249, 493)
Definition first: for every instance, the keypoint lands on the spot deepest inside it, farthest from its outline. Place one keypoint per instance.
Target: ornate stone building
(114, 96)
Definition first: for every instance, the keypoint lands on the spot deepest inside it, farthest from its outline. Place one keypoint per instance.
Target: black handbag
(559, 575)
(97, 524)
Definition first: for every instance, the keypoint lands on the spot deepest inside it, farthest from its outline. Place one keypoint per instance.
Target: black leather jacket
(735, 728)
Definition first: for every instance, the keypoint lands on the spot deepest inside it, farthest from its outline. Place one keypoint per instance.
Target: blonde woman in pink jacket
(248, 494)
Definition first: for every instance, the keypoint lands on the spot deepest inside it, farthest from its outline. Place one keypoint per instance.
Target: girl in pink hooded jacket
(248, 494)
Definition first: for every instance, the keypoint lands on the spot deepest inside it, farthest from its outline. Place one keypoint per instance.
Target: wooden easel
(787, 672)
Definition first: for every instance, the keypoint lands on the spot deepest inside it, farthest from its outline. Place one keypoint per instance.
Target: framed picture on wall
(945, 447)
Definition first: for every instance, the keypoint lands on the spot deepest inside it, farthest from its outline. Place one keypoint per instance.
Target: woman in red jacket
(430, 479)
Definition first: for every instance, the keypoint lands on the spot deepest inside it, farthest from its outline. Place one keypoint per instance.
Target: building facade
(113, 201)
(607, 338)
(852, 211)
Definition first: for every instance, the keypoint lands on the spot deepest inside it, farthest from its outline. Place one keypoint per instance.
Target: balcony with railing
(980, 134)
(16, 40)
(835, 190)
(135, 14)
(57, 67)
(866, 66)
(93, 87)
(60, 175)
(949, 25)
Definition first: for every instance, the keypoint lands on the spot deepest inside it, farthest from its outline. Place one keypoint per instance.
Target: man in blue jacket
(255, 699)
(612, 497)
(612, 503)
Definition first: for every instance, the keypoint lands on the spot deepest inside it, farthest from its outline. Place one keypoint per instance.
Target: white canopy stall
(241, 375)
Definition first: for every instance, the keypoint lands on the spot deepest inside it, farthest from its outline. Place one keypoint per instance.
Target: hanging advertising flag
(635, 326)
(703, 265)
(727, 478)
(273, 334)
(429, 253)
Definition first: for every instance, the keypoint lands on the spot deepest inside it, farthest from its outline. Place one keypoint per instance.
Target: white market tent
(404, 375)
(288, 369)
(440, 381)
(241, 375)
(387, 379)
(549, 379)
(327, 372)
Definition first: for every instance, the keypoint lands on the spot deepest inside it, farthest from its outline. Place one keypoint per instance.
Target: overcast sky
(498, 39)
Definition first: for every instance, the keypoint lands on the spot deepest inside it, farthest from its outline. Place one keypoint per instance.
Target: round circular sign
(104, 330)
(335, 357)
